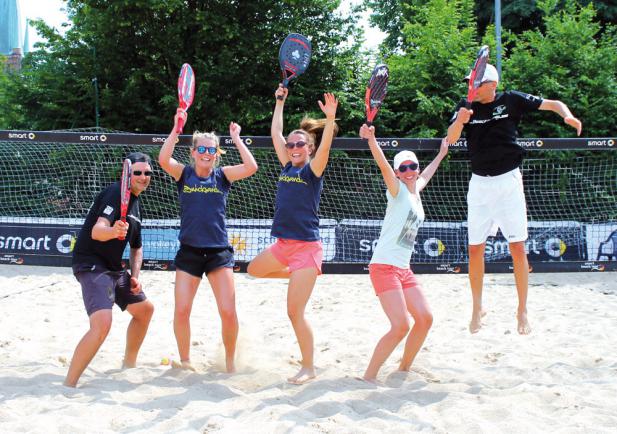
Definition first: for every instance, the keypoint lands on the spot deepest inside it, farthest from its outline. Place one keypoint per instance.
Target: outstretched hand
(180, 114)
(464, 115)
(330, 106)
(443, 149)
(234, 131)
(574, 123)
(367, 132)
(281, 93)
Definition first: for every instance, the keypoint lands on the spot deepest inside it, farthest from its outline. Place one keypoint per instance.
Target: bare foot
(370, 380)
(303, 376)
(128, 365)
(523, 325)
(476, 321)
(71, 385)
(230, 367)
(185, 364)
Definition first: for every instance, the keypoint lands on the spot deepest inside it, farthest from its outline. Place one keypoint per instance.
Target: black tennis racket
(376, 92)
(294, 57)
(477, 73)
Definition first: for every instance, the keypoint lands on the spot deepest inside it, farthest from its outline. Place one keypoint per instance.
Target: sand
(561, 378)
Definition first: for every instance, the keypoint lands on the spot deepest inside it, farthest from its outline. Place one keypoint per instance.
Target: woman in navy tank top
(204, 245)
(297, 253)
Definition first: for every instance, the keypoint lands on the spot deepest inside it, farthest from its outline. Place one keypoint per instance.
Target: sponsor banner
(601, 241)
(37, 240)
(547, 241)
(436, 242)
(416, 144)
(247, 237)
(250, 237)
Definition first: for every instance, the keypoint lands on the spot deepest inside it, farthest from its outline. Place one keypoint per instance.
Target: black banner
(345, 143)
(436, 242)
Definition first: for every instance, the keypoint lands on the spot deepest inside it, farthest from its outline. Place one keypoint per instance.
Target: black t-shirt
(492, 130)
(107, 254)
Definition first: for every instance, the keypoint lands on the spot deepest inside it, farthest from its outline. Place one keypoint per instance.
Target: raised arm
(456, 127)
(319, 162)
(430, 170)
(248, 166)
(276, 130)
(167, 162)
(562, 110)
(387, 172)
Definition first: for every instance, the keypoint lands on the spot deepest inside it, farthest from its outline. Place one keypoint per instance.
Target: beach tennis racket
(186, 92)
(125, 190)
(477, 73)
(376, 92)
(294, 57)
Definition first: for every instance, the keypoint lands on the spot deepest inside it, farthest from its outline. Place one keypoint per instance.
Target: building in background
(14, 42)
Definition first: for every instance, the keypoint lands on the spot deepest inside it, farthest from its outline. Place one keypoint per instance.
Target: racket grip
(468, 105)
(180, 126)
(123, 219)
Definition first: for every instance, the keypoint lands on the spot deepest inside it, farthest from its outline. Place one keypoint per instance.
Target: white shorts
(496, 202)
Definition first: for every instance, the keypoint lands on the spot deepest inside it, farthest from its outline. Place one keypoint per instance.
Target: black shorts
(102, 288)
(197, 261)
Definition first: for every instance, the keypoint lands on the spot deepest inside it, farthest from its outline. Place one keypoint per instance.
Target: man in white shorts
(496, 197)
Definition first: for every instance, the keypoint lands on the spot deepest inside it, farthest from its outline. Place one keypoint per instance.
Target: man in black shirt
(495, 197)
(97, 265)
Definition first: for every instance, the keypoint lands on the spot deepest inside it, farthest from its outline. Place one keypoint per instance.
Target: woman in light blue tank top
(204, 245)
(297, 253)
(398, 290)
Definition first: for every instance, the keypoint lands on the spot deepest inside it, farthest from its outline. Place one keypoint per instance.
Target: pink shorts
(388, 278)
(298, 254)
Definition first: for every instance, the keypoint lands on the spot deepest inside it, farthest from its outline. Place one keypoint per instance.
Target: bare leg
(301, 286)
(186, 288)
(267, 266)
(476, 280)
(521, 277)
(136, 331)
(423, 319)
(393, 304)
(222, 282)
(100, 324)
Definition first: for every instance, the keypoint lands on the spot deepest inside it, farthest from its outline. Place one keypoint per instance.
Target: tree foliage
(573, 61)
(135, 50)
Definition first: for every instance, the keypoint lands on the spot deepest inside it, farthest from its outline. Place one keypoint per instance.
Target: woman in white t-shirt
(395, 284)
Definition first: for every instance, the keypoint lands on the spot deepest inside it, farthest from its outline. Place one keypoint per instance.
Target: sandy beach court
(561, 378)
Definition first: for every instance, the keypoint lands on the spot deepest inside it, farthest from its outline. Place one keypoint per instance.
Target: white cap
(404, 156)
(490, 74)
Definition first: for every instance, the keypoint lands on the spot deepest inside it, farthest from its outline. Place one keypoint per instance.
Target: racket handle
(123, 219)
(468, 105)
(180, 126)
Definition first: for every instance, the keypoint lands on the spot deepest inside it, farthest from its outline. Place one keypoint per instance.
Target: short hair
(138, 157)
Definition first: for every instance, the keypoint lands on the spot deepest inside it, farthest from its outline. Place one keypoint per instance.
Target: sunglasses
(203, 149)
(411, 166)
(140, 172)
(298, 144)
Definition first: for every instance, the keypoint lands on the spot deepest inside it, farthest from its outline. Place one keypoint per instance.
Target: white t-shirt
(404, 215)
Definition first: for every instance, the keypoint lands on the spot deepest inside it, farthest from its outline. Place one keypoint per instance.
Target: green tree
(520, 15)
(135, 50)
(572, 60)
(426, 70)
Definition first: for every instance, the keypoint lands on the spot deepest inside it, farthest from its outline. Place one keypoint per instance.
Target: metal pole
(498, 34)
(95, 81)
(96, 100)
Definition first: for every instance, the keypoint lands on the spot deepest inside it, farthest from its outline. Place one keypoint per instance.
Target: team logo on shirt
(108, 210)
(189, 190)
(296, 179)
(497, 111)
